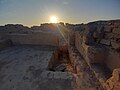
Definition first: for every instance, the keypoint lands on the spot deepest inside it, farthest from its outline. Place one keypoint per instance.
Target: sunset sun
(53, 19)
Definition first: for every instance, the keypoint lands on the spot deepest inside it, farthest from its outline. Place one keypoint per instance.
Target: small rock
(105, 42)
(107, 29)
(116, 74)
(115, 45)
(61, 67)
(116, 30)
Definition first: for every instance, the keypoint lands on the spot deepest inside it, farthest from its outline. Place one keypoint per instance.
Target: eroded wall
(35, 39)
(100, 39)
(99, 45)
(46, 34)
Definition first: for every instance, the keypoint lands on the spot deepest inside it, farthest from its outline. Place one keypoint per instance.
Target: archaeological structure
(60, 56)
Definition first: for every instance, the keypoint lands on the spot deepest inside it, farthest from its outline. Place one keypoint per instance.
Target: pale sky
(35, 12)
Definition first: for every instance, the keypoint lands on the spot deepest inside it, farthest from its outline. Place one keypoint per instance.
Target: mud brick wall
(108, 35)
(35, 39)
(10, 28)
(46, 34)
(99, 43)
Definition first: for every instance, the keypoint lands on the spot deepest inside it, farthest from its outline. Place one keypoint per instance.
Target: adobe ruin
(60, 56)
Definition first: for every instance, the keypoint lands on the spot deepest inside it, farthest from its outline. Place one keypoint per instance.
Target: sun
(53, 19)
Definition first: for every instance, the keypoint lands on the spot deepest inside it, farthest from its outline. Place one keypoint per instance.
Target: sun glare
(53, 19)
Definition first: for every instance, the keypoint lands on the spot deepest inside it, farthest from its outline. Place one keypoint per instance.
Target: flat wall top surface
(35, 39)
(23, 67)
(20, 66)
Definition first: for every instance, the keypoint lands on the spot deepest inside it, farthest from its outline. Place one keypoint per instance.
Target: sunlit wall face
(35, 12)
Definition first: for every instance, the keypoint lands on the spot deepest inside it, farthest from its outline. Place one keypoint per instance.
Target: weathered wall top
(99, 44)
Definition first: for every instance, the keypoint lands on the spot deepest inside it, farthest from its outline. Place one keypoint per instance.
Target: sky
(35, 12)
